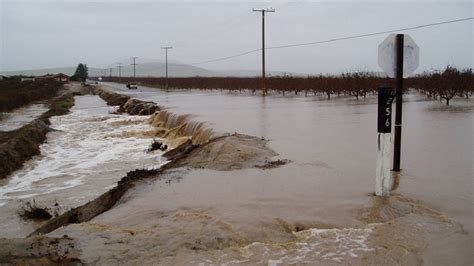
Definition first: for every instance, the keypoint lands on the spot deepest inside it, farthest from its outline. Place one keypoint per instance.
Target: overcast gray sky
(43, 34)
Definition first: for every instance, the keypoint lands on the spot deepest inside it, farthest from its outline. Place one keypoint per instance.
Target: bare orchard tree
(452, 82)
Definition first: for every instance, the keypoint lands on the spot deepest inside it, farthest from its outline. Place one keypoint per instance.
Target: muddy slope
(230, 152)
(18, 146)
(125, 103)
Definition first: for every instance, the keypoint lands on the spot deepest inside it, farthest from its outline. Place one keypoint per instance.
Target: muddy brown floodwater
(87, 152)
(318, 208)
(332, 145)
(21, 116)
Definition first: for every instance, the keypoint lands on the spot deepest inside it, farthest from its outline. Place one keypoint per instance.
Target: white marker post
(383, 178)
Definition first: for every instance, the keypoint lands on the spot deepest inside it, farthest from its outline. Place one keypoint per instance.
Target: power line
(335, 39)
(228, 57)
(369, 34)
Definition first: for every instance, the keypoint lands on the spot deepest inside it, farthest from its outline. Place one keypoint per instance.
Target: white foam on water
(312, 246)
(88, 144)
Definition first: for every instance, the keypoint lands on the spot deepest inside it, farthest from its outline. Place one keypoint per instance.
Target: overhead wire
(334, 39)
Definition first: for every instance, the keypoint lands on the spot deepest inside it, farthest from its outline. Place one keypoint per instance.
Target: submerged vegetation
(15, 93)
(445, 84)
(30, 210)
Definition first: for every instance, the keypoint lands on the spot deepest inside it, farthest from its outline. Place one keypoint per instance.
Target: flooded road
(332, 145)
(21, 116)
(87, 153)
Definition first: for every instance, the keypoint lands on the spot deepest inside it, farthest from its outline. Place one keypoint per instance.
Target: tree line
(445, 84)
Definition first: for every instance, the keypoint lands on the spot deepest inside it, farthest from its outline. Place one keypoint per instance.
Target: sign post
(399, 99)
(383, 179)
(398, 57)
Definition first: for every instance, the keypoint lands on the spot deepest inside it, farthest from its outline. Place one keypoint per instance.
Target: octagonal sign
(387, 55)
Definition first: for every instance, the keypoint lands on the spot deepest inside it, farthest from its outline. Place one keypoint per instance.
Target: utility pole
(166, 56)
(110, 73)
(120, 69)
(134, 64)
(264, 89)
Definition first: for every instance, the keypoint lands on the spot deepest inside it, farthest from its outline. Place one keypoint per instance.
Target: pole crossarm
(263, 10)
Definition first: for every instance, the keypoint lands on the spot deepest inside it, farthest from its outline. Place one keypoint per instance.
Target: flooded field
(88, 151)
(332, 145)
(317, 209)
(21, 116)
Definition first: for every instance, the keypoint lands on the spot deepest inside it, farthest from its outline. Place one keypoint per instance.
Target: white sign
(387, 57)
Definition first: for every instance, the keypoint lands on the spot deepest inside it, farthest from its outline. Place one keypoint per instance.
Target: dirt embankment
(18, 146)
(14, 93)
(229, 152)
(125, 103)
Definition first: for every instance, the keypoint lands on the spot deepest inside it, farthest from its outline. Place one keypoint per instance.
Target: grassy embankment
(18, 146)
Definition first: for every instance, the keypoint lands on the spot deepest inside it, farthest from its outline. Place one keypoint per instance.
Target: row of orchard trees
(357, 84)
(446, 84)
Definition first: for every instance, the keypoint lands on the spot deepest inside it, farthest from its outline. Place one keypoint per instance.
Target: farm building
(54, 77)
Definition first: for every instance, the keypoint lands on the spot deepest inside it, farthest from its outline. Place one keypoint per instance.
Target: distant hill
(40, 72)
(148, 69)
(158, 69)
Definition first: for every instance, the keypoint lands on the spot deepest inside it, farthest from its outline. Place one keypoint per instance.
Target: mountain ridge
(149, 69)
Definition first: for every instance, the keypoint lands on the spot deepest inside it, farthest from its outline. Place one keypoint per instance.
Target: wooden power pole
(120, 69)
(263, 11)
(166, 62)
(134, 65)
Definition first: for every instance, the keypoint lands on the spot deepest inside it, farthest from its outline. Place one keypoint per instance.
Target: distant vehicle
(92, 83)
(95, 83)
(132, 85)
